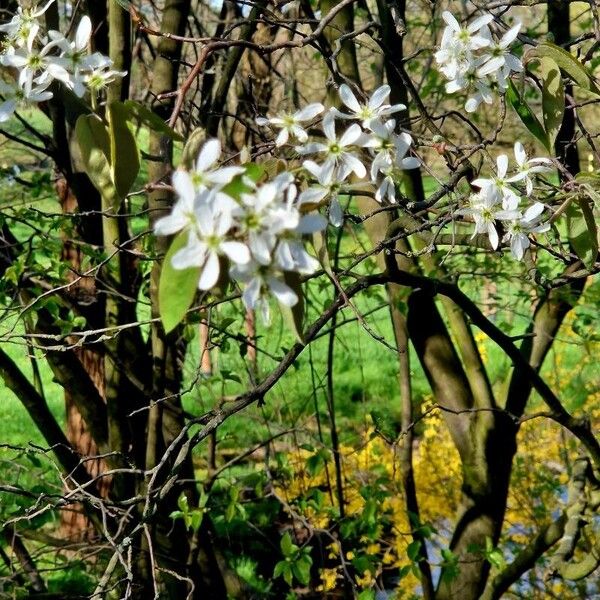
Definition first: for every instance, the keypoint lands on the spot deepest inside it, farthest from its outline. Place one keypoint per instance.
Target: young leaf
(553, 97)
(566, 62)
(124, 153)
(413, 549)
(94, 145)
(301, 569)
(287, 547)
(526, 115)
(177, 288)
(582, 231)
(151, 120)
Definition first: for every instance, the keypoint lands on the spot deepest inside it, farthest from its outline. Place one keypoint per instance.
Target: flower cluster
(500, 198)
(259, 230)
(38, 59)
(368, 145)
(473, 59)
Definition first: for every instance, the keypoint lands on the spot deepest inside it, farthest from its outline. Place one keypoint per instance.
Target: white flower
(99, 78)
(205, 174)
(500, 58)
(471, 58)
(526, 167)
(484, 213)
(261, 281)
(390, 149)
(338, 149)
(265, 213)
(498, 187)
(459, 44)
(390, 158)
(519, 230)
(33, 63)
(326, 187)
(290, 123)
(207, 241)
(74, 55)
(373, 109)
(484, 93)
(290, 254)
(15, 96)
(18, 29)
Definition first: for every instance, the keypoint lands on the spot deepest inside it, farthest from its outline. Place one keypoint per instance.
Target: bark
(165, 419)
(74, 523)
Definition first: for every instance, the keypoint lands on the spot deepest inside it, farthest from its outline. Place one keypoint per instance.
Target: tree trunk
(74, 524)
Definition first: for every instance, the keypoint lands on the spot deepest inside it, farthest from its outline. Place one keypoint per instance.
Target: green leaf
(526, 115)
(553, 98)
(301, 569)
(294, 316)
(287, 547)
(124, 153)
(182, 503)
(151, 120)
(582, 231)
(196, 520)
(94, 145)
(177, 288)
(590, 186)
(230, 512)
(413, 550)
(566, 62)
(279, 568)
(237, 186)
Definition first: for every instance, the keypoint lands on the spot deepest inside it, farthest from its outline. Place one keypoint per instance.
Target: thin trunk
(165, 421)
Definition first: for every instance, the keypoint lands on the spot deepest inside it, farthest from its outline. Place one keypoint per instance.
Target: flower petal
(348, 98)
(350, 135)
(83, 33)
(208, 155)
(284, 294)
(309, 112)
(379, 95)
(502, 164)
(210, 272)
(236, 252)
(184, 186)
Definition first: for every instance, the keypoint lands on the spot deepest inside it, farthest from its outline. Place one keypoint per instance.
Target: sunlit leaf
(566, 62)
(582, 231)
(124, 153)
(553, 97)
(151, 120)
(177, 288)
(94, 145)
